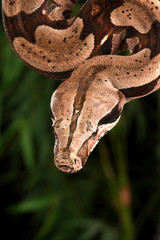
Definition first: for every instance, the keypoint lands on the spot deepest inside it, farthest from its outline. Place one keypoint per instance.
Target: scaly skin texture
(83, 52)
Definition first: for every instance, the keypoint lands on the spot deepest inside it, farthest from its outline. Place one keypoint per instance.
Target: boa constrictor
(84, 51)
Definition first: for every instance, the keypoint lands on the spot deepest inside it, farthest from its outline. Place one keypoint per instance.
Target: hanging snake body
(85, 52)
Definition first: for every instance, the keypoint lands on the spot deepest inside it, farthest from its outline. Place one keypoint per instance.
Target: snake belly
(84, 51)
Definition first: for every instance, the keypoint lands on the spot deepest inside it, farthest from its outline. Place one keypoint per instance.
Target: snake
(86, 51)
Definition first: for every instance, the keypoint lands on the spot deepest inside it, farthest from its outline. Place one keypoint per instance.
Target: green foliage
(115, 196)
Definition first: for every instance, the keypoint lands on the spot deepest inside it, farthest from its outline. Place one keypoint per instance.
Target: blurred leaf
(31, 205)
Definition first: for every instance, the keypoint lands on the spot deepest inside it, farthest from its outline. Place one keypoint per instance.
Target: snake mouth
(65, 168)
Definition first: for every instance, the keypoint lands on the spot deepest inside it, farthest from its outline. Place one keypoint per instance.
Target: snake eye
(53, 119)
(52, 116)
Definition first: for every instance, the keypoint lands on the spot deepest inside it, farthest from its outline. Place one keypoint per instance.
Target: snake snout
(68, 164)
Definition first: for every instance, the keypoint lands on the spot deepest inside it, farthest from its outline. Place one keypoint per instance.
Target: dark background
(115, 196)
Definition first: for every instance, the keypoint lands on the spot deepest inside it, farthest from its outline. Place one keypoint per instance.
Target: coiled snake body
(83, 51)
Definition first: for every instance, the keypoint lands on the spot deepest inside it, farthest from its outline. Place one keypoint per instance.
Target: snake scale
(84, 51)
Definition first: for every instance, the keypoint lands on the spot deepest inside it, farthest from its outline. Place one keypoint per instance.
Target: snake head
(81, 117)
